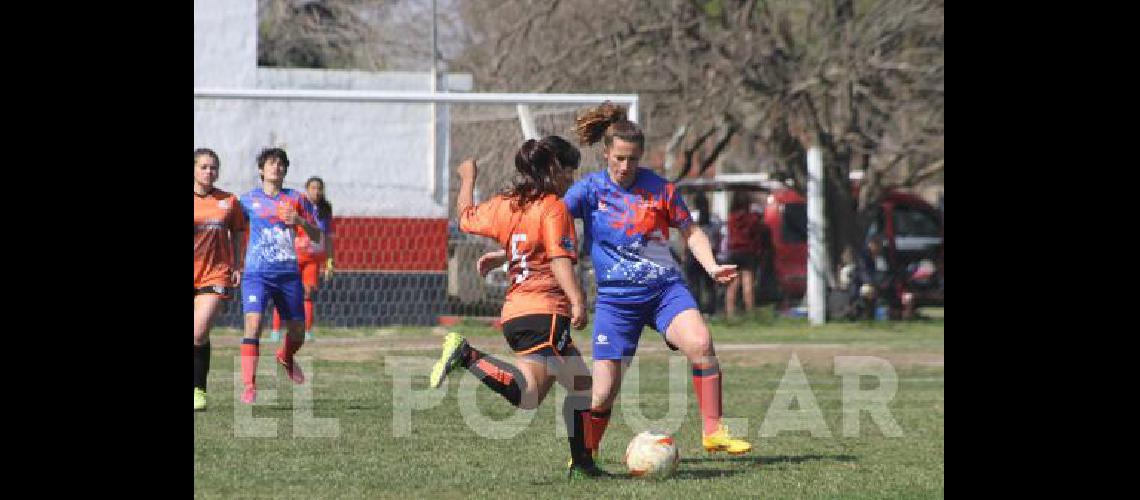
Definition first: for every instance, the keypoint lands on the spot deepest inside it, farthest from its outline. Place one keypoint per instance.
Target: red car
(912, 228)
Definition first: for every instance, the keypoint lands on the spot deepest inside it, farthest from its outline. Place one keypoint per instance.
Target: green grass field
(442, 457)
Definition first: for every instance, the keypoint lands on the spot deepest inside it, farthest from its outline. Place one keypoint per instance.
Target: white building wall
(374, 157)
(225, 43)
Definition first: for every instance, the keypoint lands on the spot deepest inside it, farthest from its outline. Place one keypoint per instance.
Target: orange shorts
(310, 272)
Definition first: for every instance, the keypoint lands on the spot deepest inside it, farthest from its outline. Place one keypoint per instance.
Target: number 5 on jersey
(519, 257)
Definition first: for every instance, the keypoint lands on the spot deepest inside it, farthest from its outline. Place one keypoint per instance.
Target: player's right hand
(490, 260)
(578, 316)
(468, 170)
(288, 214)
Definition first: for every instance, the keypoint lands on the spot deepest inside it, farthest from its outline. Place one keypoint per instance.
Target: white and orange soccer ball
(652, 454)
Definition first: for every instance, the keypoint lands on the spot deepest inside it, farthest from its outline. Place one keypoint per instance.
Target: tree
(746, 83)
(862, 80)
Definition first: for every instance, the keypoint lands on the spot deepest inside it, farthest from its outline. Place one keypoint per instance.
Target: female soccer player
(271, 268)
(627, 213)
(218, 226)
(310, 254)
(544, 298)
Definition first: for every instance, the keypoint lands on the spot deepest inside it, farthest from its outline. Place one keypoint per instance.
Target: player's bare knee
(699, 346)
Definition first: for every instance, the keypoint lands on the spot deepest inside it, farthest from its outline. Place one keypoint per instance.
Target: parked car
(911, 228)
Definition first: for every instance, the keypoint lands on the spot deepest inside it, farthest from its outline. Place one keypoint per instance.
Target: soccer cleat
(275, 336)
(721, 440)
(308, 335)
(199, 399)
(249, 395)
(291, 368)
(584, 471)
(453, 345)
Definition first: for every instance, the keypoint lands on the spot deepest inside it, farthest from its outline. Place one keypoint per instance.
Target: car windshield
(913, 222)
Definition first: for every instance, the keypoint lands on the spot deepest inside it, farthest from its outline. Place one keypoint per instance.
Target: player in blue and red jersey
(628, 212)
(271, 270)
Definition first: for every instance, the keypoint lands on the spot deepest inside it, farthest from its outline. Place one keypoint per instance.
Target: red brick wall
(390, 244)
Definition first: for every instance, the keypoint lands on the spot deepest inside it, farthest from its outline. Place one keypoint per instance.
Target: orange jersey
(532, 238)
(215, 215)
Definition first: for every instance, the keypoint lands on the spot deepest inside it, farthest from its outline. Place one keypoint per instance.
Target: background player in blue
(627, 213)
(271, 270)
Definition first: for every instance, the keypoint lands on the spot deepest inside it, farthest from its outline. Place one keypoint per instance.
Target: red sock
(290, 347)
(706, 383)
(249, 352)
(596, 421)
(308, 315)
(276, 320)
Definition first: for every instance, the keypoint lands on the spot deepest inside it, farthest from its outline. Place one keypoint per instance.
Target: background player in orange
(544, 298)
(218, 226)
(310, 254)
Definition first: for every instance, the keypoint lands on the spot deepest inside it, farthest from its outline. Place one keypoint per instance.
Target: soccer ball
(652, 454)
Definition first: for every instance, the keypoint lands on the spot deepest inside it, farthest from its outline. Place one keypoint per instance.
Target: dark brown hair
(606, 122)
(324, 208)
(740, 201)
(209, 152)
(538, 163)
(268, 153)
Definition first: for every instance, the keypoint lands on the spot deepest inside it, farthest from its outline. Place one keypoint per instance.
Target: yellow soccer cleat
(721, 440)
(453, 347)
(199, 399)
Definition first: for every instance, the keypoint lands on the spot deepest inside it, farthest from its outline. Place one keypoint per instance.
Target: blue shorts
(285, 289)
(618, 322)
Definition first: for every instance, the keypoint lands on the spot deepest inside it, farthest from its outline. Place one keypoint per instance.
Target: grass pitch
(442, 455)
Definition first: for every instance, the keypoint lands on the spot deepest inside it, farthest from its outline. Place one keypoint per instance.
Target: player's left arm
(559, 241)
(696, 239)
(238, 227)
(307, 220)
(490, 260)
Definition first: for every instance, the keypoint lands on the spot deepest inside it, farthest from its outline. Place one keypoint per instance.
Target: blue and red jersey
(628, 230)
(271, 249)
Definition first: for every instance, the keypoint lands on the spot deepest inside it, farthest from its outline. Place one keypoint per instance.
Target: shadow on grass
(773, 459)
(621, 475)
(685, 473)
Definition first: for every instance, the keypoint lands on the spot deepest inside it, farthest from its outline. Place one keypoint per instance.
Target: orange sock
(250, 350)
(706, 383)
(499, 376)
(308, 315)
(276, 320)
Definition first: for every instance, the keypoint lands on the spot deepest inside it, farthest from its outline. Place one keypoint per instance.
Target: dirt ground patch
(816, 355)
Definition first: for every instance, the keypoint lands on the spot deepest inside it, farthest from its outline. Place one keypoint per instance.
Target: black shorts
(543, 334)
(744, 260)
(213, 289)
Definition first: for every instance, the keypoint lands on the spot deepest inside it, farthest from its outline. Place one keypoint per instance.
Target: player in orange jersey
(218, 226)
(310, 254)
(544, 300)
